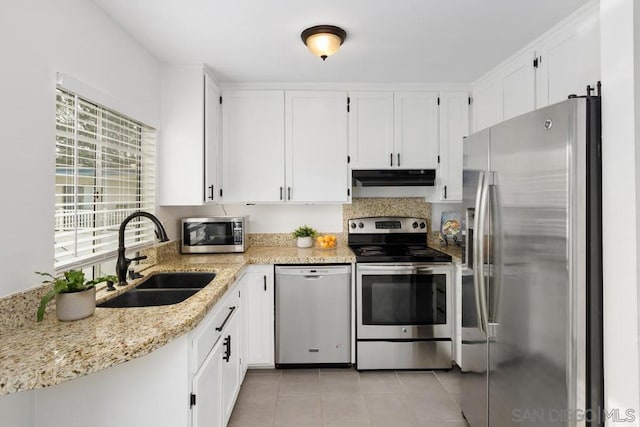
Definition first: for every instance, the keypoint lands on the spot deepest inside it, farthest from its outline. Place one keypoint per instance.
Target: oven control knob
(414, 225)
(423, 225)
(404, 330)
(353, 225)
(360, 225)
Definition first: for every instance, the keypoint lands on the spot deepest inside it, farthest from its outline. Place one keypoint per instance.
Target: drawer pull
(226, 319)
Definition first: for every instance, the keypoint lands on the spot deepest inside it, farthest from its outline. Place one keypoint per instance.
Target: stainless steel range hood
(394, 177)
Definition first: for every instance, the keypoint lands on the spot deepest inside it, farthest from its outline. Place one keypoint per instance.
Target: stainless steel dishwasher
(313, 315)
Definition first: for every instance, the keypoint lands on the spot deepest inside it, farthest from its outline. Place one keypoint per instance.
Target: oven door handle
(392, 269)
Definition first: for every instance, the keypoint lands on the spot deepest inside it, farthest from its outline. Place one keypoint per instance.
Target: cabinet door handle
(227, 350)
(226, 319)
(211, 192)
(398, 159)
(445, 191)
(289, 193)
(391, 159)
(265, 282)
(280, 193)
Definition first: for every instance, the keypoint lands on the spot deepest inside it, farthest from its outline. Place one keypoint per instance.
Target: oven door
(404, 301)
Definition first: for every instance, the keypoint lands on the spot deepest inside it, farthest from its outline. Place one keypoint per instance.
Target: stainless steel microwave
(221, 234)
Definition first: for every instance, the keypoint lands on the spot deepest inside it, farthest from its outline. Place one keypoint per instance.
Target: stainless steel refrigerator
(532, 280)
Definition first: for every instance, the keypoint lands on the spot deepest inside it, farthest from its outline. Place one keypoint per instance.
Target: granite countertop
(35, 355)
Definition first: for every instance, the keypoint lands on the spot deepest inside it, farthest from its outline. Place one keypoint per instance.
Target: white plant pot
(305, 242)
(76, 305)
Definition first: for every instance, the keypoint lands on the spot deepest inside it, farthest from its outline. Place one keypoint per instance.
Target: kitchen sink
(191, 280)
(149, 298)
(161, 289)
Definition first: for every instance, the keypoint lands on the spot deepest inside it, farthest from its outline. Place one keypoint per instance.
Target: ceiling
(396, 41)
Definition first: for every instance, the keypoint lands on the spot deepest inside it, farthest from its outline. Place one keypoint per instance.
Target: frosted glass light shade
(323, 40)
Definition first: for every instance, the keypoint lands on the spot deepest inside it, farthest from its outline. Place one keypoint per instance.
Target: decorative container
(75, 305)
(305, 242)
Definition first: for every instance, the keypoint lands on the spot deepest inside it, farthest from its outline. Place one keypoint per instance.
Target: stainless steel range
(404, 309)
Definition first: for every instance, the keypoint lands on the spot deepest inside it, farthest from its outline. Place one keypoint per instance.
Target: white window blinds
(105, 170)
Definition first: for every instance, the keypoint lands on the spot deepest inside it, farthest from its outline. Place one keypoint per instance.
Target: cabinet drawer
(212, 329)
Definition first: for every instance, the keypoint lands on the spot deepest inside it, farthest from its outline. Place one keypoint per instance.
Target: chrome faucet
(122, 265)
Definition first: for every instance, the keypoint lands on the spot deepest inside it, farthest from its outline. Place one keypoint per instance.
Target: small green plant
(304, 231)
(70, 281)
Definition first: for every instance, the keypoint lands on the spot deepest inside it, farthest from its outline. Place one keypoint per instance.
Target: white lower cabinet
(259, 304)
(206, 403)
(193, 381)
(231, 377)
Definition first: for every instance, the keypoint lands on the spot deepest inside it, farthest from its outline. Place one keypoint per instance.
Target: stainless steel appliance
(219, 234)
(403, 290)
(532, 286)
(313, 315)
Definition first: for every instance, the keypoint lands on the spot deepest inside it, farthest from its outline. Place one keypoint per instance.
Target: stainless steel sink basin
(161, 289)
(149, 298)
(190, 280)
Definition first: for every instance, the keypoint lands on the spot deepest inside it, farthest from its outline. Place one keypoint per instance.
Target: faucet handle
(134, 275)
(138, 258)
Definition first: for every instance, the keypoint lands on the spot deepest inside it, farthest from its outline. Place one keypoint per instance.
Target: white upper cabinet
(487, 105)
(316, 146)
(563, 61)
(569, 61)
(284, 148)
(518, 83)
(389, 130)
(212, 144)
(253, 146)
(415, 130)
(182, 144)
(454, 126)
(370, 129)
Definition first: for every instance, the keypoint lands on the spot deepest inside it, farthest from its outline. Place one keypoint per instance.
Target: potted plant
(75, 297)
(305, 235)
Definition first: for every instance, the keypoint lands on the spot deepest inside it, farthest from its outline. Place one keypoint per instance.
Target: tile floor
(348, 398)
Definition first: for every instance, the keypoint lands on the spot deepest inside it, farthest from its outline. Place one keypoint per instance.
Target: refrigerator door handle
(478, 253)
(497, 237)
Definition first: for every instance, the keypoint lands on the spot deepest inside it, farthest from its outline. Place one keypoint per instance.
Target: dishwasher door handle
(312, 277)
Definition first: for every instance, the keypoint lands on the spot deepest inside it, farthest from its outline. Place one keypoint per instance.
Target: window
(105, 170)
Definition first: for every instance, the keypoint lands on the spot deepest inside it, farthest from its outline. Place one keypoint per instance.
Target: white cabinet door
(181, 145)
(316, 146)
(519, 86)
(230, 366)
(416, 130)
(454, 125)
(253, 146)
(371, 129)
(206, 401)
(486, 105)
(569, 61)
(212, 146)
(243, 286)
(259, 305)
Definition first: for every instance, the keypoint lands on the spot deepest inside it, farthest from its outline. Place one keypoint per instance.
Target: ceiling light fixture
(323, 40)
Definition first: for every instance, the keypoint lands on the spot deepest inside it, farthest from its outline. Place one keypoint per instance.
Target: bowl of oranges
(326, 241)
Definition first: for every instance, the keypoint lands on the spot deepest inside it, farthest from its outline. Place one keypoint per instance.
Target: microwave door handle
(478, 253)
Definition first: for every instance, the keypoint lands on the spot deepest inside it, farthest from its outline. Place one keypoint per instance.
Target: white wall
(262, 218)
(37, 39)
(620, 42)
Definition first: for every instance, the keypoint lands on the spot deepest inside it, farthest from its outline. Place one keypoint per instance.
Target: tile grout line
(448, 392)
